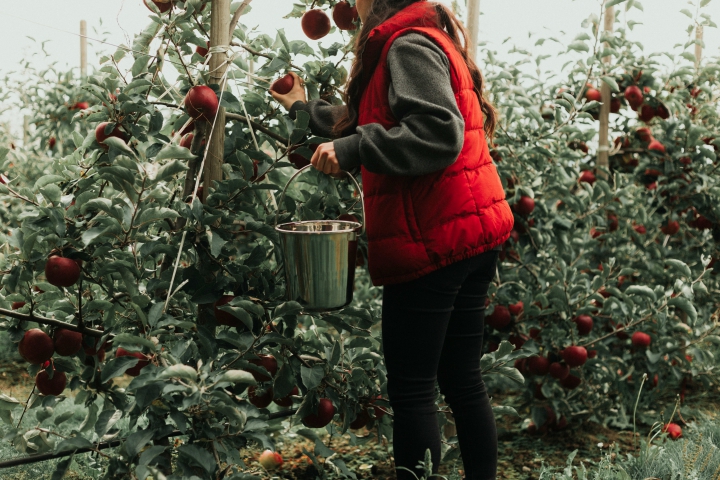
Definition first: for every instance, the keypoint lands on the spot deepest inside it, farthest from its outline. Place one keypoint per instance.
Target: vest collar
(418, 14)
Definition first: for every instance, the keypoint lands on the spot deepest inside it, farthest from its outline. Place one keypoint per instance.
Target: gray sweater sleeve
(429, 136)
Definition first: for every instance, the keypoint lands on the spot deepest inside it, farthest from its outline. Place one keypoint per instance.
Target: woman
(416, 123)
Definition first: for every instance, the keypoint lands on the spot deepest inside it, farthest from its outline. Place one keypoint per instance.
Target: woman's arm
(323, 115)
(431, 131)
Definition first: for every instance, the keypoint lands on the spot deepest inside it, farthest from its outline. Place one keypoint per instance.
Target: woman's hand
(297, 93)
(324, 159)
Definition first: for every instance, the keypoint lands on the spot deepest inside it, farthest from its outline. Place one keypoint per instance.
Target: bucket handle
(357, 186)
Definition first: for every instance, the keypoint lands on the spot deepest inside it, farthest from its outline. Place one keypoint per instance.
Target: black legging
(433, 330)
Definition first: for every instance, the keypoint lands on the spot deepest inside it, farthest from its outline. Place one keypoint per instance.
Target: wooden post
(219, 36)
(473, 26)
(603, 161)
(83, 48)
(699, 30)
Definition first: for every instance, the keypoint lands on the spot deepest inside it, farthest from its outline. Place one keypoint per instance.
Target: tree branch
(51, 321)
(257, 126)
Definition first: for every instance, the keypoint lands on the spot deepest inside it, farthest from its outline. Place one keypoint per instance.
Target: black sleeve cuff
(347, 150)
(299, 105)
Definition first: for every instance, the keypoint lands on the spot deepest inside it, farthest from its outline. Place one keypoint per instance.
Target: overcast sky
(56, 23)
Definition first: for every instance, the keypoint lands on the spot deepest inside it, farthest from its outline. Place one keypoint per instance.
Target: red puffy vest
(416, 225)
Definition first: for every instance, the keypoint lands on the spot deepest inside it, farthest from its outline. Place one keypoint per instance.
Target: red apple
(634, 96)
(673, 430)
(662, 112)
(593, 94)
(574, 356)
(500, 318)
(324, 415)
(645, 134)
(640, 339)
(90, 346)
(640, 229)
(186, 141)
(702, 223)
(67, 342)
(344, 16)
(101, 136)
(584, 324)
(202, 51)
(671, 228)
(571, 382)
(259, 397)
(201, 102)
(50, 386)
(656, 146)
(162, 5)
(378, 411)
(51, 142)
(525, 205)
(283, 85)
(615, 105)
(559, 370)
(516, 308)
(223, 317)
(362, 419)
(142, 363)
(538, 365)
(587, 176)
(647, 113)
(36, 346)
(287, 400)
(62, 271)
(17, 305)
(315, 24)
(270, 460)
(269, 363)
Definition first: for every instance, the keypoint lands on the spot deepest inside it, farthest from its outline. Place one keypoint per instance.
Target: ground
(520, 453)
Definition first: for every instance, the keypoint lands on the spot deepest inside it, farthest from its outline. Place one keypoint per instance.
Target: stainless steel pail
(319, 257)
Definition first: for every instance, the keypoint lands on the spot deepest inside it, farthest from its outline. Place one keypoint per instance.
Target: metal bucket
(319, 258)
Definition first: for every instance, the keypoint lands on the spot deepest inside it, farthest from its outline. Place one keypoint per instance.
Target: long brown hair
(381, 11)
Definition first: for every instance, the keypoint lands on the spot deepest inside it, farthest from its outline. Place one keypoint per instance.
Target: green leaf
(174, 152)
(641, 290)
(119, 144)
(505, 410)
(179, 371)
(198, 456)
(686, 12)
(106, 420)
(510, 372)
(610, 81)
(137, 441)
(117, 366)
(216, 243)
(704, 2)
(312, 377)
(169, 170)
(678, 265)
(150, 215)
(685, 305)
(612, 3)
(579, 47)
(237, 376)
(8, 403)
(288, 308)
(62, 468)
(47, 180)
(129, 339)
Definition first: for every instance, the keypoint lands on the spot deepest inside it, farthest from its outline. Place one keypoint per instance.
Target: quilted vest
(418, 224)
